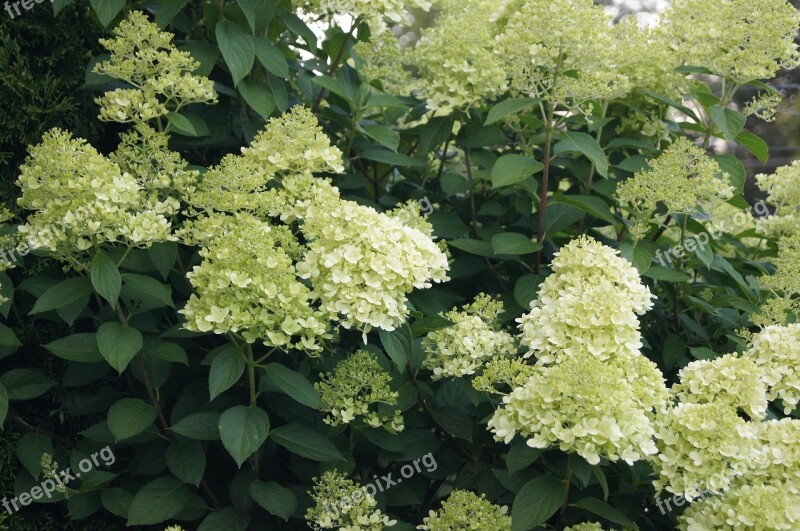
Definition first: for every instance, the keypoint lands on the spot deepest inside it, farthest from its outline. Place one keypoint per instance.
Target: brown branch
(36, 429)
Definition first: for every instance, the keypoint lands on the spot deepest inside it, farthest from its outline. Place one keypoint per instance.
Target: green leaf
(158, 501)
(729, 121)
(558, 217)
(604, 510)
(755, 145)
(169, 352)
(227, 519)
(226, 369)
(525, 289)
(389, 157)
(106, 278)
(118, 344)
(273, 497)
(537, 500)
(335, 86)
(237, 47)
(306, 442)
(383, 134)
(116, 500)
(77, 347)
(271, 57)
(397, 345)
(25, 384)
(639, 256)
(168, 11)
(702, 353)
(163, 256)
(293, 384)
(478, 247)
(187, 124)
(62, 294)
(199, 426)
(30, 448)
(298, 27)
(8, 338)
(205, 53)
(187, 461)
(507, 108)
(590, 204)
(258, 97)
(454, 421)
(420, 327)
(512, 169)
(672, 103)
(149, 288)
(674, 350)
(734, 168)
(243, 430)
(520, 456)
(3, 405)
(249, 13)
(514, 243)
(586, 144)
(107, 10)
(129, 417)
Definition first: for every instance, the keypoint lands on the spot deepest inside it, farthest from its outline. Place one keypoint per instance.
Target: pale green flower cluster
(247, 285)
(464, 510)
(784, 284)
(730, 380)
(503, 371)
(586, 526)
(702, 447)
(376, 13)
(161, 75)
(584, 405)
(740, 40)
(359, 388)
(454, 60)
(383, 61)
(363, 263)
(683, 178)
(783, 193)
(780, 454)
(589, 303)
(81, 199)
(762, 507)
(540, 40)
(342, 504)
(776, 352)
(475, 336)
(763, 106)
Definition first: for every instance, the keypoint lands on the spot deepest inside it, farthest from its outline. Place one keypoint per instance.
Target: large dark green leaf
(237, 47)
(158, 501)
(538, 500)
(306, 442)
(273, 497)
(243, 430)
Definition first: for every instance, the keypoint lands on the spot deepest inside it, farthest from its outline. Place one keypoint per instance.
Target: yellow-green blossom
(764, 106)
(247, 284)
(464, 510)
(730, 380)
(760, 507)
(582, 405)
(456, 66)
(783, 193)
(702, 447)
(340, 503)
(586, 526)
(589, 303)
(779, 442)
(475, 337)
(376, 12)
(741, 40)
(359, 389)
(508, 372)
(776, 352)
(161, 75)
(683, 178)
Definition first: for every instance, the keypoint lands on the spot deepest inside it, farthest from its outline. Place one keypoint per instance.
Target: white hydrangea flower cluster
(702, 447)
(82, 199)
(586, 526)
(341, 503)
(770, 506)
(504, 372)
(247, 284)
(358, 388)
(776, 352)
(783, 193)
(457, 68)
(161, 75)
(779, 442)
(376, 13)
(589, 303)
(466, 510)
(584, 405)
(730, 380)
(475, 336)
(363, 263)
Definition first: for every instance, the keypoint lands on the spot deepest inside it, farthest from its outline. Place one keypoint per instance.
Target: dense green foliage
(500, 262)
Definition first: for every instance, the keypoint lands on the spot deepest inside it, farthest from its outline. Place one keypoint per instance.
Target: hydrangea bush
(339, 272)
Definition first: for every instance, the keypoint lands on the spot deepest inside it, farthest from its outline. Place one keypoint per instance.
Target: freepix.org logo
(15, 8)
